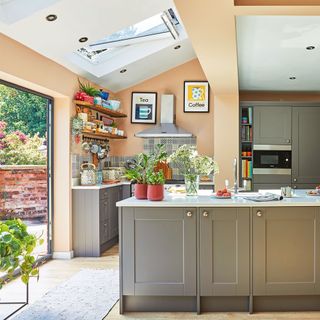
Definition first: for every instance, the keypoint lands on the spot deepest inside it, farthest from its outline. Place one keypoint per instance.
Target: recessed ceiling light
(292, 78)
(123, 70)
(310, 47)
(177, 47)
(51, 17)
(83, 39)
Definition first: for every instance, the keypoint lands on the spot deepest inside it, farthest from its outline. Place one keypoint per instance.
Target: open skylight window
(161, 26)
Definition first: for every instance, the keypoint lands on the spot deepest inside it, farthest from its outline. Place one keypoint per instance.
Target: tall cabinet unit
(306, 147)
(246, 147)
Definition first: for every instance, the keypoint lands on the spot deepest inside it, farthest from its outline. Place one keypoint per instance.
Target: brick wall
(23, 192)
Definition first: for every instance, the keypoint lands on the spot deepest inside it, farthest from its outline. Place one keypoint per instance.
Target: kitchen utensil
(85, 146)
(94, 148)
(88, 174)
(286, 192)
(130, 164)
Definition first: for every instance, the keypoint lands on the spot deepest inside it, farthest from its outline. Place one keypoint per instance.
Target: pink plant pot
(140, 191)
(155, 192)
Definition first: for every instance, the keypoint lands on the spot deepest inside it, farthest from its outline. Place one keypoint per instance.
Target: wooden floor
(57, 271)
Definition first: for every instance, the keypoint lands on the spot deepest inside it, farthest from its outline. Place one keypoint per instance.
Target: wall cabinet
(272, 125)
(286, 254)
(305, 148)
(95, 219)
(159, 253)
(224, 251)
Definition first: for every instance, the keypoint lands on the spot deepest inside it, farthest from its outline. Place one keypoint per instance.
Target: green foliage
(190, 162)
(146, 164)
(18, 149)
(155, 177)
(88, 89)
(16, 247)
(23, 111)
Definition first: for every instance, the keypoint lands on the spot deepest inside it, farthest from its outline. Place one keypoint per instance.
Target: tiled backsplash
(171, 144)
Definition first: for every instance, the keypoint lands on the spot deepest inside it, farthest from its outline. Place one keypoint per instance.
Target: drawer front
(104, 209)
(104, 231)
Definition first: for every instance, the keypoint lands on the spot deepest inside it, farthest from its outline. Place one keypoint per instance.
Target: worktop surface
(206, 199)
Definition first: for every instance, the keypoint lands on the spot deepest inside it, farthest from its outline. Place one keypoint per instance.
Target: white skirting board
(62, 255)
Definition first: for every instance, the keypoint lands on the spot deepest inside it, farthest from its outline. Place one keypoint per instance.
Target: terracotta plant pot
(140, 191)
(155, 192)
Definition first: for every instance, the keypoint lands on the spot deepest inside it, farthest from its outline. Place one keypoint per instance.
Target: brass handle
(205, 213)
(189, 214)
(259, 213)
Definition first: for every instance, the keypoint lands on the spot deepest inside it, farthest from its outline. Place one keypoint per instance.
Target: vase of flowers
(192, 165)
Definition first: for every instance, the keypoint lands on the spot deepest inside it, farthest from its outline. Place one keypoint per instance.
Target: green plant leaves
(16, 247)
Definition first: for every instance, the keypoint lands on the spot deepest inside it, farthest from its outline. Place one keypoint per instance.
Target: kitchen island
(205, 254)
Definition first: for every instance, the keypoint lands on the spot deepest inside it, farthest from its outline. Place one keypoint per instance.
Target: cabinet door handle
(259, 213)
(205, 213)
(288, 141)
(295, 179)
(189, 214)
(294, 187)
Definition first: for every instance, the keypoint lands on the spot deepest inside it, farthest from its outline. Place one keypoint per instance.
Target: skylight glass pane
(149, 27)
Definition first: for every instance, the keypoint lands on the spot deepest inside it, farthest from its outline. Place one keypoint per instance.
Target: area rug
(88, 295)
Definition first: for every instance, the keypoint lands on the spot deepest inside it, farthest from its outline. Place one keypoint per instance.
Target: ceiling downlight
(51, 17)
(83, 39)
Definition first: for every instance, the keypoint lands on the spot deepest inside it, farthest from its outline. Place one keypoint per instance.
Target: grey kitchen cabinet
(286, 251)
(159, 255)
(272, 125)
(305, 148)
(95, 220)
(224, 251)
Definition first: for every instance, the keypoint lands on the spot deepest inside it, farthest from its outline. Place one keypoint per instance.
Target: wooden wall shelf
(106, 111)
(102, 136)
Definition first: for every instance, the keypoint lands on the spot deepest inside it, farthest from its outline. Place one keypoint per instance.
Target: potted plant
(16, 247)
(156, 182)
(138, 174)
(192, 165)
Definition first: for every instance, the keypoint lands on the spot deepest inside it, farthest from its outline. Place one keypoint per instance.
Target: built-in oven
(272, 159)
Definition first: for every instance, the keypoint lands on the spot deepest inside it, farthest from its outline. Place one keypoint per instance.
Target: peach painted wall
(23, 66)
(201, 125)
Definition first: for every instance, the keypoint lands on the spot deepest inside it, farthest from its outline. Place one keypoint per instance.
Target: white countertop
(104, 186)
(205, 199)
(101, 186)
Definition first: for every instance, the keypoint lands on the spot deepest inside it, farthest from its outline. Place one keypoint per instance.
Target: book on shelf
(247, 169)
(250, 115)
(246, 133)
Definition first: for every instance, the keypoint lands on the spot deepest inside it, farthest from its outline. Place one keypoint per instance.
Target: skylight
(161, 26)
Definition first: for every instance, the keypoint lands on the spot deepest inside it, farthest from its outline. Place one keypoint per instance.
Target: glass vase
(192, 184)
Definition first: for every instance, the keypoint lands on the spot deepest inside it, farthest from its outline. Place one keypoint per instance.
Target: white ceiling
(94, 19)
(273, 48)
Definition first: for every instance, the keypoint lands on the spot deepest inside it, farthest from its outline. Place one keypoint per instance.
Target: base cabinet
(159, 251)
(224, 251)
(95, 223)
(286, 252)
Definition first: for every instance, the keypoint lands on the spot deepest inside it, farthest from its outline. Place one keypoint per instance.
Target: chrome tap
(235, 171)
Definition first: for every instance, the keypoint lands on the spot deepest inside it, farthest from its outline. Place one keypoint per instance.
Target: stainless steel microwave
(271, 159)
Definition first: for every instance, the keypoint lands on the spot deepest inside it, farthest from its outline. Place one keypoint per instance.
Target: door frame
(50, 160)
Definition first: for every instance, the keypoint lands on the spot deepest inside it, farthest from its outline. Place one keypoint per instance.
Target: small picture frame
(144, 107)
(196, 96)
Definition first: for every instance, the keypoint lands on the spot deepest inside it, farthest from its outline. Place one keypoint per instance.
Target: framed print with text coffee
(144, 107)
(196, 96)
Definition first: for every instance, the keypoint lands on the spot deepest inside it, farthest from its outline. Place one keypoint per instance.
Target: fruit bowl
(223, 194)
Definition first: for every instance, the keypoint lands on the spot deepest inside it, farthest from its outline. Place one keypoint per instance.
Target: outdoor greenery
(16, 148)
(16, 247)
(23, 111)
(144, 170)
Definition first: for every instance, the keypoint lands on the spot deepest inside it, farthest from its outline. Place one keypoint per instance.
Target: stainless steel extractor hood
(167, 127)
